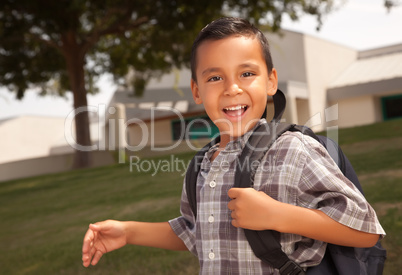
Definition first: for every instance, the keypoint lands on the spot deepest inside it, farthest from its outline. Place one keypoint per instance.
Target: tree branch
(50, 43)
(121, 28)
(121, 25)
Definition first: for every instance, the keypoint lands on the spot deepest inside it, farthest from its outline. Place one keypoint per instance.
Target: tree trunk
(75, 60)
(82, 157)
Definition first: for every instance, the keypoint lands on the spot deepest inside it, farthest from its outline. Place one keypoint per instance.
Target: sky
(359, 24)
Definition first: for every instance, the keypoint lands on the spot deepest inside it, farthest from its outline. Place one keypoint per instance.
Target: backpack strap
(256, 147)
(279, 105)
(192, 173)
(264, 244)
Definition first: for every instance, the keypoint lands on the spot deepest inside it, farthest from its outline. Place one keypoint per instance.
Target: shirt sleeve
(323, 186)
(185, 226)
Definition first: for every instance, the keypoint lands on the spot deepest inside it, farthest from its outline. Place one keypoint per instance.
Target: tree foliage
(390, 4)
(63, 45)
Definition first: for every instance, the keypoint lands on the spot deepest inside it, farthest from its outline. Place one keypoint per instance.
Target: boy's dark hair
(225, 27)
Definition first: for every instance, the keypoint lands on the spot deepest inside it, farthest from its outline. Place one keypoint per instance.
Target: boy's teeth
(235, 108)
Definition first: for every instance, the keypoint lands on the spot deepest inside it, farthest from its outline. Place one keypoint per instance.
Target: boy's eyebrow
(249, 65)
(210, 70)
(216, 69)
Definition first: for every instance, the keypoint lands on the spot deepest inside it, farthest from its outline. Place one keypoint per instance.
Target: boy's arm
(255, 210)
(106, 236)
(158, 235)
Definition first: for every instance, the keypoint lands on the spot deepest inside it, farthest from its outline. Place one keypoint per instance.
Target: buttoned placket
(212, 183)
(211, 219)
(215, 175)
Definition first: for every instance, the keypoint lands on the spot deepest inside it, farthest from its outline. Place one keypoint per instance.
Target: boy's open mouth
(235, 110)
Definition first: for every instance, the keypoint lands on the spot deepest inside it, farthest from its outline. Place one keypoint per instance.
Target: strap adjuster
(291, 268)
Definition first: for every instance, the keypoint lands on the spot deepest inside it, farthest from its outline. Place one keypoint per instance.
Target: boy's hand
(100, 238)
(252, 209)
(255, 210)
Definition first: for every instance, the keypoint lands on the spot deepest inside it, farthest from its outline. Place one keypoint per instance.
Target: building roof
(6, 119)
(159, 103)
(371, 69)
(375, 70)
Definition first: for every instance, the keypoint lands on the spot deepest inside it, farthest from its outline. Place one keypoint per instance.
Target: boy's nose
(233, 89)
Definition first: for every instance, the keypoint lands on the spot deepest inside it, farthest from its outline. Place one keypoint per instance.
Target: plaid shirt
(295, 170)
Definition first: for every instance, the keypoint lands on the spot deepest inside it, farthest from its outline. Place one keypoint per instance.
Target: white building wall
(358, 111)
(324, 62)
(28, 137)
(158, 133)
(287, 51)
(303, 112)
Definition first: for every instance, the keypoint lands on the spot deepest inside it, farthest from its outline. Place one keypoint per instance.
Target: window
(195, 128)
(391, 107)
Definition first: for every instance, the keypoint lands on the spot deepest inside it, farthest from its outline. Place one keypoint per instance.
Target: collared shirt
(295, 170)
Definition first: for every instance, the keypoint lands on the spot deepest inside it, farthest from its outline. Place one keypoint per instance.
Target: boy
(299, 191)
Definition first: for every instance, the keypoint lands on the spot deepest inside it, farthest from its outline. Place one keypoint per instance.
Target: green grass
(378, 131)
(43, 219)
(375, 152)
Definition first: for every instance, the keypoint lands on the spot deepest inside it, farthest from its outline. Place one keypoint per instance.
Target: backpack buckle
(291, 268)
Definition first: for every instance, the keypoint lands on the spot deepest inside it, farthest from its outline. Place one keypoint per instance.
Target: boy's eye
(214, 78)
(247, 74)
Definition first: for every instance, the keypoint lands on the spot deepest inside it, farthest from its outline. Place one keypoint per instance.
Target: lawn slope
(43, 219)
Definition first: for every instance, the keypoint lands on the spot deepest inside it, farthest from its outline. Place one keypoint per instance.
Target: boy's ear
(272, 82)
(195, 91)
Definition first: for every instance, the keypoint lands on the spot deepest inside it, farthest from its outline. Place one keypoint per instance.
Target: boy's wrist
(128, 229)
(285, 218)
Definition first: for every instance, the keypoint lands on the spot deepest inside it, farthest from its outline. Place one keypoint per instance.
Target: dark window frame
(390, 107)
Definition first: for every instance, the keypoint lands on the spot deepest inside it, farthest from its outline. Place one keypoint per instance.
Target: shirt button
(211, 255)
(211, 219)
(212, 184)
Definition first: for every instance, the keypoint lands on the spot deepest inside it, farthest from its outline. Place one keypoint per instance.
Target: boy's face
(233, 83)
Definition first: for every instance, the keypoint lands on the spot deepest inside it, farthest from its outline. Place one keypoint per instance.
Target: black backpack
(265, 244)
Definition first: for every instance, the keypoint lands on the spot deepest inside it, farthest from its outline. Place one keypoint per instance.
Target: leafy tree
(390, 4)
(66, 44)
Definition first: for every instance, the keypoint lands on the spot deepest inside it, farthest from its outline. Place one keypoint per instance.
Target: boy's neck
(225, 139)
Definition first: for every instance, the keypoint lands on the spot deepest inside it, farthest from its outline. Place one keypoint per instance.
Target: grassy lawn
(376, 154)
(43, 219)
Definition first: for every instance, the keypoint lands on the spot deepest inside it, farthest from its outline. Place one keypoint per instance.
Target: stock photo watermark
(178, 165)
(114, 137)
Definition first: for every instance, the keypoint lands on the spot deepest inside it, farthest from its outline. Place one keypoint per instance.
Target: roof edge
(380, 51)
(380, 88)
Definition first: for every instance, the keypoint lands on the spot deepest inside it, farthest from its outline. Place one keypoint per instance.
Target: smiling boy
(233, 82)
(308, 200)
